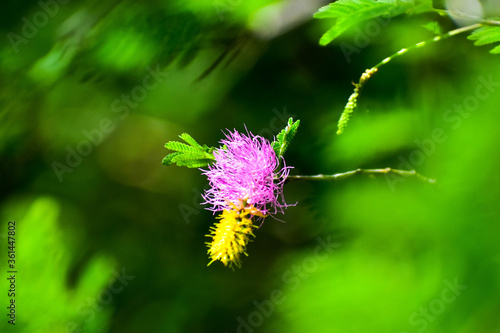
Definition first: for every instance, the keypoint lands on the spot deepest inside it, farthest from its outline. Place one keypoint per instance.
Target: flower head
(245, 169)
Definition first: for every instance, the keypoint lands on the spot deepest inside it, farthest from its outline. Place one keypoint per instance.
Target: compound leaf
(283, 139)
(349, 13)
(487, 35)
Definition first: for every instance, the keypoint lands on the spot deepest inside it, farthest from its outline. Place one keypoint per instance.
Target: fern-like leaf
(487, 35)
(189, 139)
(283, 139)
(192, 155)
(349, 13)
(168, 160)
(181, 147)
(191, 160)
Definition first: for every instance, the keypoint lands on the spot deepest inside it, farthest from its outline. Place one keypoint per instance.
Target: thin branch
(455, 13)
(432, 40)
(490, 22)
(353, 99)
(370, 172)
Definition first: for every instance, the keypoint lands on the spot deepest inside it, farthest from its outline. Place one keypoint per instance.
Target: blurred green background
(109, 240)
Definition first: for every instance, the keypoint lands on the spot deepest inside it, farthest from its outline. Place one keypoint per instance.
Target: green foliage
(434, 27)
(399, 242)
(284, 138)
(352, 103)
(487, 35)
(193, 155)
(349, 13)
(44, 254)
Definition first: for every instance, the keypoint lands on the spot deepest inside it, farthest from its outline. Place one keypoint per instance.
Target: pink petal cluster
(245, 168)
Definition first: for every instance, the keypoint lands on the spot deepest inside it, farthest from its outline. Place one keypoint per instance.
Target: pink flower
(245, 171)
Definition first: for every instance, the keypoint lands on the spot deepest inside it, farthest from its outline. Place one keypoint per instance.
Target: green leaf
(167, 160)
(189, 139)
(192, 156)
(191, 160)
(434, 27)
(496, 50)
(283, 139)
(182, 147)
(486, 35)
(349, 13)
